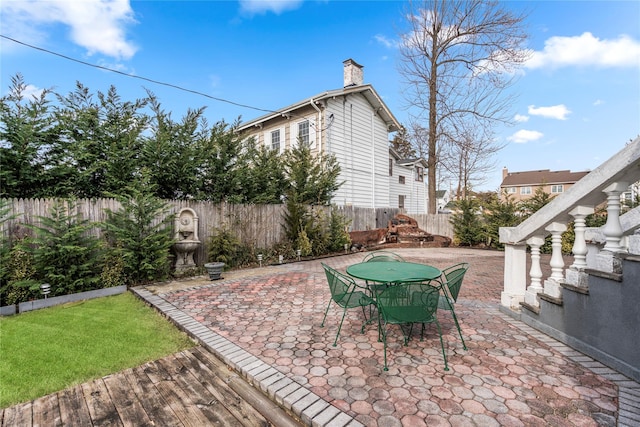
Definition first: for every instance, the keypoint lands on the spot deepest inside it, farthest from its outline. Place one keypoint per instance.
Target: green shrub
(137, 236)
(65, 254)
(338, 234)
(467, 225)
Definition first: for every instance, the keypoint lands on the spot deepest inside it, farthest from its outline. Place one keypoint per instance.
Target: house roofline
(368, 92)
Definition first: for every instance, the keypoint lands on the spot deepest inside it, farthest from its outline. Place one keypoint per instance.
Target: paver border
(291, 396)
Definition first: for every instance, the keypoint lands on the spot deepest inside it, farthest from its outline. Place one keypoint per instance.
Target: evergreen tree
(500, 214)
(467, 225)
(65, 254)
(27, 133)
(135, 233)
(170, 153)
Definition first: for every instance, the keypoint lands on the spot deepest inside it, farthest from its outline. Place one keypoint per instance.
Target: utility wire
(136, 77)
(152, 80)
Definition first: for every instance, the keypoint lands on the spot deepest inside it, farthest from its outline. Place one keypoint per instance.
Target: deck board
(188, 388)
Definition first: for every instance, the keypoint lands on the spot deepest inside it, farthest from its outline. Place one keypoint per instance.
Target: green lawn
(48, 350)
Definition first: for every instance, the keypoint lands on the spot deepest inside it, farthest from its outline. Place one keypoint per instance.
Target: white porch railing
(592, 248)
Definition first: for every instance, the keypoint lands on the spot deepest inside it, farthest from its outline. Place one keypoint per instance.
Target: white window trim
(525, 190)
(294, 132)
(556, 187)
(267, 138)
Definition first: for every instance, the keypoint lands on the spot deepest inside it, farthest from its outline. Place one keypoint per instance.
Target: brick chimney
(505, 172)
(353, 75)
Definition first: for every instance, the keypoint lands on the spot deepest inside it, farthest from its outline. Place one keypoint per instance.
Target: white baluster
(612, 229)
(531, 295)
(579, 244)
(552, 285)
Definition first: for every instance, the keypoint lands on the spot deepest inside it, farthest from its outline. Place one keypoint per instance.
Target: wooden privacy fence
(256, 225)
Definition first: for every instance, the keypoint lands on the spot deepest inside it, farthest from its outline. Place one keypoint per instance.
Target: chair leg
(384, 339)
(325, 314)
(344, 313)
(455, 319)
(444, 355)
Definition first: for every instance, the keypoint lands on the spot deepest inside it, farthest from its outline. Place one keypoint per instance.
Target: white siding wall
(415, 201)
(359, 140)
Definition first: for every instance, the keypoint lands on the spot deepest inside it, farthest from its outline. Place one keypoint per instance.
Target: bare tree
(457, 59)
(469, 157)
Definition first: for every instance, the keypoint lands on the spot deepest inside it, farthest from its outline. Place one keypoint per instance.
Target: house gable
(351, 123)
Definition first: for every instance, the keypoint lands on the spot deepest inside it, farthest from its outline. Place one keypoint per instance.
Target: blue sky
(578, 97)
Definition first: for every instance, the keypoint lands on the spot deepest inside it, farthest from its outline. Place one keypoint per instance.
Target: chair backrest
(453, 278)
(411, 302)
(341, 286)
(382, 256)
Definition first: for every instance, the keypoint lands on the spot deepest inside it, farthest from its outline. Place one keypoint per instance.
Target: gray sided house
(407, 188)
(352, 123)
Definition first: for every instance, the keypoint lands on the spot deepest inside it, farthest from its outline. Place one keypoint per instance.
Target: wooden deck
(190, 388)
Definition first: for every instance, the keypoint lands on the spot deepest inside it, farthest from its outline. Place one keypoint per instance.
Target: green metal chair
(382, 256)
(450, 284)
(347, 294)
(404, 304)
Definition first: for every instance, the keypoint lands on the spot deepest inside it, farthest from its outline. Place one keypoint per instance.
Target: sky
(578, 96)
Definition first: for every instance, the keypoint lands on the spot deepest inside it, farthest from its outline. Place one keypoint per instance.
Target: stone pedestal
(576, 277)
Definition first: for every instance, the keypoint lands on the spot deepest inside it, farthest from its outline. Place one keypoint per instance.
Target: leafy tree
(311, 181)
(338, 234)
(457, 57)
(141, 240)
(219, 171)
(536, 202)
(467, 225)
(100, 141)
(65, 254)
(263, 177)
(500, 214)
(27, 133)
(170, 153)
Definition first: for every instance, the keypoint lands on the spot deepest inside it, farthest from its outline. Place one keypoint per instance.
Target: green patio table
(393, 272)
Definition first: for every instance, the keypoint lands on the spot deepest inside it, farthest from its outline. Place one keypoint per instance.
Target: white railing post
(515, 281)
(579, 244)
(607, 260)
(552, 284)
(612, 230)
(575, 275)
(535, 287)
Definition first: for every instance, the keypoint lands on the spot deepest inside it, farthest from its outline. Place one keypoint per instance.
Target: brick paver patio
(510, 374)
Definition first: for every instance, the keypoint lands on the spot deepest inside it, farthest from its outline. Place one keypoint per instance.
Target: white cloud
(521, 118)
(558, 112)
(383, 40)
(523, 136)
(598, 102)
(31, 91)
(263, 6)
(97, 25)
(587, 50)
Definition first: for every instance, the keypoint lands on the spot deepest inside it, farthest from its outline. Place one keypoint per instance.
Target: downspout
(319, 130)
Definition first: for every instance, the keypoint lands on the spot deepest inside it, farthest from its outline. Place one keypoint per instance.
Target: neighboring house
(352, 123)
(443, 197)
(407, 188)
(523, 185)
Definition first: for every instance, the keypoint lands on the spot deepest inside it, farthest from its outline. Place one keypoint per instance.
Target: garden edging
(62, 299)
